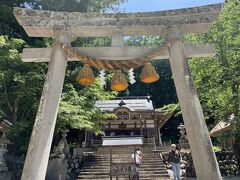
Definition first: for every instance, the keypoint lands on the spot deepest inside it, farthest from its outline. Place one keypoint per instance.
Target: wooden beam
(118, 53)
(39, 23)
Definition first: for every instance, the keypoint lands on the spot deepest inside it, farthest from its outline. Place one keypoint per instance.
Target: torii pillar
(204, 159)
(36, 161)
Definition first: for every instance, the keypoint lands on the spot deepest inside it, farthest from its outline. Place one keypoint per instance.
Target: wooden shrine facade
(135, 116)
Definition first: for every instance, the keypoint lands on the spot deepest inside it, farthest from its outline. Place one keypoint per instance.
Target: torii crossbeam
(169, 24)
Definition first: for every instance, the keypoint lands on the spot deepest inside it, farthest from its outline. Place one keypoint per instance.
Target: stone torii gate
(172, 24)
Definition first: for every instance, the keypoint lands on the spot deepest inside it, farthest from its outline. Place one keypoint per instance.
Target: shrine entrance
(135, 116)
(172, 25)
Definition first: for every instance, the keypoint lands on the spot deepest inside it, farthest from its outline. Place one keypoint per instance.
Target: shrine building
(135, 116)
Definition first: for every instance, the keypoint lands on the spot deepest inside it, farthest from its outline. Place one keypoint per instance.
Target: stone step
(120, 152)
(106, 170)
(148, 168)
(145, 168)
(92, 177)
(157, 164)
(97, 166)
(151, 166)
(127, 152)
(123, 160)
(126, 178)
(125, 149)
(156, 178)
(156, 172)
(150, 176)
(88, 165)
(122, 156)
(92, 170)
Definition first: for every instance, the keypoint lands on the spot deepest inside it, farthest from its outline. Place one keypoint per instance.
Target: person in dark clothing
(174, 158)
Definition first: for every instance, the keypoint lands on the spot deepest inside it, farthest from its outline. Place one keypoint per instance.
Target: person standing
(174, 158)
(137, 160)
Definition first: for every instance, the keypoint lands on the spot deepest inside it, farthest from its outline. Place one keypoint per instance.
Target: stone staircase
(97, 165)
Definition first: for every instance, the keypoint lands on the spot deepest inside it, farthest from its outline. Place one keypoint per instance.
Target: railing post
(154, 143)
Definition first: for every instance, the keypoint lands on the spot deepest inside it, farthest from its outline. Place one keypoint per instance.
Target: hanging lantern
(119, 82)
(149, 74)
(86, 76)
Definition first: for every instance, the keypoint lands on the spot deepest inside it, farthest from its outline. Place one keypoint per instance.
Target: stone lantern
(4, 174)
(183, 141)
(3, 150)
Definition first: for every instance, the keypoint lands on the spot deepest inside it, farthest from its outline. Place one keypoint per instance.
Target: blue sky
(158, 5)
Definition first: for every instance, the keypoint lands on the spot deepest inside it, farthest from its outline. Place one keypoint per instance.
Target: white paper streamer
(102, 77)
(131, 76)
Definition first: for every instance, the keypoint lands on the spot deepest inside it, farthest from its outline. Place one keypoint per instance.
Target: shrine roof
(132, 103)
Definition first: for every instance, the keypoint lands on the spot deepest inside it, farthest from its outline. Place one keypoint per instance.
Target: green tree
(77, 108)
(65, 5)
(217, 79)
(21, 83)
(20, 90)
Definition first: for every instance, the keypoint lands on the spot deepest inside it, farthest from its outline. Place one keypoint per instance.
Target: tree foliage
(217, 79)
(65, 5)
(20, 90)
(21, 83)
(77, 109)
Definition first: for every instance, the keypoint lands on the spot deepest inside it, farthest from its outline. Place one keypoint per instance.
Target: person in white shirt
(138, 160)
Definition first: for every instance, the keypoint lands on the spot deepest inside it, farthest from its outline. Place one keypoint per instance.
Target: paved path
(170, 172)
(227, 178)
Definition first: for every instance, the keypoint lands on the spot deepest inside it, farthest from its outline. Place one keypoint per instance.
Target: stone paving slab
(227, 178)
(170, 172)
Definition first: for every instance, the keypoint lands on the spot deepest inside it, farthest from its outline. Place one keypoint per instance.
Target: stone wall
(75, 164)
(15, 165)
(228, 163)
(57, 169)
(74, 167)
(5, 175)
